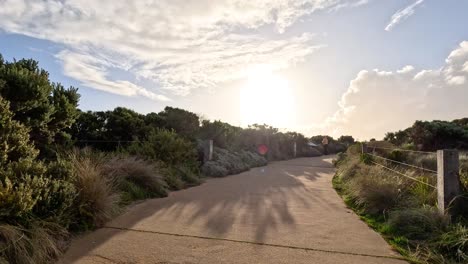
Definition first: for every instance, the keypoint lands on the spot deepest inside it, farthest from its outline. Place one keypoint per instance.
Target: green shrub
(397, 155)
(173, 180)
(366, 158)
(252, 159)
(214, 169)
(422, 193)
(374, 191)
(131, 192)
(454, 243)
(417, 223)
(166, 146)
(187, 175)
(17, 198)
(226, 162)
(56, 202)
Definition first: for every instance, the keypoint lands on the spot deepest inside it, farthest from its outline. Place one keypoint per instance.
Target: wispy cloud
(177, 45)
(403, 14)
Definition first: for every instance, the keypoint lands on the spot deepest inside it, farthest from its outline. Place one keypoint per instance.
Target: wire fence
(405, 164)
(432, 172)
(108, 141)
(405, 150)
(403, 174)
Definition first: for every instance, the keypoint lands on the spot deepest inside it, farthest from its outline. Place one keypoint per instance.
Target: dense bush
(166, 146)
(227, 162)
(418, 223)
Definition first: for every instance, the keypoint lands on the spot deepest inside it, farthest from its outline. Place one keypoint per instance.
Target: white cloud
(92, 73)
(180, 45)
(377, 102)
(403, 14)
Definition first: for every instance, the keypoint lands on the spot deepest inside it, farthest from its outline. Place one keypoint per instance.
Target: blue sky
(338, 64)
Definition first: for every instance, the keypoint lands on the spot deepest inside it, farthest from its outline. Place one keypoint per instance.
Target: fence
(447, 172)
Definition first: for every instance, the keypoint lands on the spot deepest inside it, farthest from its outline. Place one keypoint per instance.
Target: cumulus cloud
(382, 101)
(178, 45)
(403, 14)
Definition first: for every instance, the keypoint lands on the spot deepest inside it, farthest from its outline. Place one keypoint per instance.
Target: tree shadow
(249, 205)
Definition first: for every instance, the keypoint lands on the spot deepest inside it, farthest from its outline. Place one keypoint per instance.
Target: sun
(267, 99)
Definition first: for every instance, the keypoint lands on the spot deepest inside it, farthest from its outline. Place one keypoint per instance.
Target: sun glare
(267, 98)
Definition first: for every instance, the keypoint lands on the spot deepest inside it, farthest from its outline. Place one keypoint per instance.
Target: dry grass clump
(418, 223)
(136, 177)
(97, 199)
(374, 190)
(41, 242)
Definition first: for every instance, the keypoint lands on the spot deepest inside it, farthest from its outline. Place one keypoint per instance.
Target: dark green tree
(48, 109)
(183, 122)
(222, 134)
(348, 140)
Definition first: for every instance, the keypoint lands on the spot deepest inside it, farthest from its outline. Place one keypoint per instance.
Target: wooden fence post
(448, 179)
(294, 149)
(207, 150)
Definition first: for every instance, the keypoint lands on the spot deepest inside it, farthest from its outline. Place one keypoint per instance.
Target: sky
(354, 67)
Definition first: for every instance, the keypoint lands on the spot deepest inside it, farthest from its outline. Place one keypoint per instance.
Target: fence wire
(406, 150)
(405, 164)
(404, 175)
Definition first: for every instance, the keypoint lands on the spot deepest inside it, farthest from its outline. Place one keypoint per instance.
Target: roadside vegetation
(403, 210)
(63, 170)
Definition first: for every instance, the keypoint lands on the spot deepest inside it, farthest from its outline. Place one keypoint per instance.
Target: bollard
(448, 179)
(294, 149)
(207, 150)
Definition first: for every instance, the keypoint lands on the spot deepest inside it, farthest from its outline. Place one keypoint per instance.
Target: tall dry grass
(41, 242)
(97, 198)
(137, 178)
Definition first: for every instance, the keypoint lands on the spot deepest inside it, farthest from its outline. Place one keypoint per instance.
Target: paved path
(286, 212)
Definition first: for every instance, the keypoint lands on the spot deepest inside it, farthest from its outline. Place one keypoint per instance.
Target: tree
(348, 140)
(222, 134)
(48, 109)
(318, 139)
(123, 124)
(438, 134)
(185, 123)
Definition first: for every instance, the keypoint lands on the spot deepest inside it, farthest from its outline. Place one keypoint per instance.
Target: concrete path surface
(286, 212)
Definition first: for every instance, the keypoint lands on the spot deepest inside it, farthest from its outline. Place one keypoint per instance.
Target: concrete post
(207, 150)
(294, 149)
(448, 179)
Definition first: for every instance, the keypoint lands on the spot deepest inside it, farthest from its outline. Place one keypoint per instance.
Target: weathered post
(448, 179)
(294, 149)
(207, 150)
